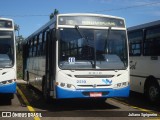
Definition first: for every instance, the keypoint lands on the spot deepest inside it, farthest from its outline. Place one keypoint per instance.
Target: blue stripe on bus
(66, 93)
(8, 88)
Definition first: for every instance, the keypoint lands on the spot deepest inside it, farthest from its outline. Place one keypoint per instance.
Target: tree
(54, 13)
(17, 28)
(19, 40)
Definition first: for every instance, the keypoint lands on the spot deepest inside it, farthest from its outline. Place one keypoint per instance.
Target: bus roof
(1, 18)
(145, 25)
(69, 14)
(89, 14)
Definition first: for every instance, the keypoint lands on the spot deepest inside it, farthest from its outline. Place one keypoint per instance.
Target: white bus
(79, 56)
(7, 58)
(144, 43)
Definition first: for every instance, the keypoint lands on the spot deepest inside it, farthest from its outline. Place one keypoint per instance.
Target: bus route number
(71, 60)
(81, 81)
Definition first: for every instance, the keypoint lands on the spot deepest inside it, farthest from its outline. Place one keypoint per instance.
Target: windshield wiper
(106, 41)
(86, 39)
(77, 28)
(81, 34)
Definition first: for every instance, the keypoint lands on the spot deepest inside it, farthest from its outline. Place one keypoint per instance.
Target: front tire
(153, 92)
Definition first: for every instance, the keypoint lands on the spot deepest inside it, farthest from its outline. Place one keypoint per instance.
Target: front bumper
(8, 88)
(84, 93)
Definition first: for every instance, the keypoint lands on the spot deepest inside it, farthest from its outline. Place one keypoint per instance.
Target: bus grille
(94, 76)
(93, 86)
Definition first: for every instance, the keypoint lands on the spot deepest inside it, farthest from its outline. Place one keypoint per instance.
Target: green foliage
(54, 13)
(19, 65)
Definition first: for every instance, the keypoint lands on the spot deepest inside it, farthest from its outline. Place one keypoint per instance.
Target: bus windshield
(6, 49)
(92, 49)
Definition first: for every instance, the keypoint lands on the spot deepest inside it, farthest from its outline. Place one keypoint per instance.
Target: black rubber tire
(153, 92)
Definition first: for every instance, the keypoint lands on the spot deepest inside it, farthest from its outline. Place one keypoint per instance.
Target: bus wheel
(153, 92)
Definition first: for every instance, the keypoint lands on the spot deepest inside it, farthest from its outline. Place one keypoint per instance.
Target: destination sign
(5, 24)
(91, 21)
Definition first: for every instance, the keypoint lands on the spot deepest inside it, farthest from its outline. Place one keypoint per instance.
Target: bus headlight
(69, 85)
(4, 82)
(7, 82)
(65, 85)
(62, 84)
(121, 85)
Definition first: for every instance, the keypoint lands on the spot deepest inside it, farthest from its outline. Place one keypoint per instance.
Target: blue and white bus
(7, 58)
(79, 56)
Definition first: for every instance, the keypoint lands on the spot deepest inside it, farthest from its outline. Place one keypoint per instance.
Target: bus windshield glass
(92, 49)
(6, 49)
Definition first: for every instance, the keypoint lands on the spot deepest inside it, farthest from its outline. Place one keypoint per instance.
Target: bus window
(135, 39)
(44, 38)
(94, 47)
(40, 47)
(6, 48)
(152, 42)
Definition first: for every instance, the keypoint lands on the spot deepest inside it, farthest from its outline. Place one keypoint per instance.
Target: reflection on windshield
(105, 50)
(6, 49)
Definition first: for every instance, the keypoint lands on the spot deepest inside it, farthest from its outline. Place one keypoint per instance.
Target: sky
(32, 14)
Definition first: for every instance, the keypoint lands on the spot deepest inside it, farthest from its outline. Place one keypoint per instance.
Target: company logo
(133, 65)
(107, 82)
(6, 114)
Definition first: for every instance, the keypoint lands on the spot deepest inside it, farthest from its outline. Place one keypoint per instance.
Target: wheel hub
(153, 92)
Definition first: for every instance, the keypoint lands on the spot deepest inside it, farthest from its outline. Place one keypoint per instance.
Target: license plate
(95, 94)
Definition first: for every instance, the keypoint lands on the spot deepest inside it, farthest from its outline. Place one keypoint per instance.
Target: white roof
(6, 19)
(88, 14)
(70, 14)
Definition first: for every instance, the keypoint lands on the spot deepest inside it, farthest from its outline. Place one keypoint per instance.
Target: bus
(78, 56)
(7, 58)
(144, 41)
